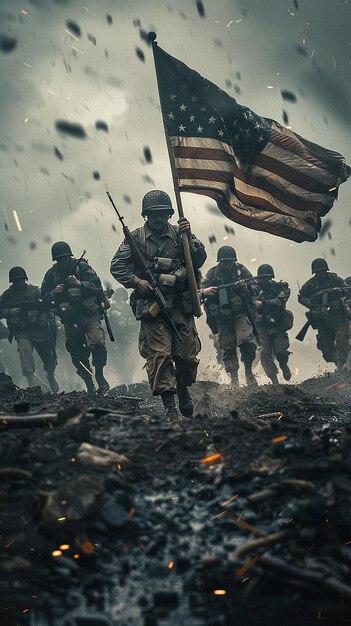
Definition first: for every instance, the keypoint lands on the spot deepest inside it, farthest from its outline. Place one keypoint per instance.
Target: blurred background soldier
(227, 304)
(273, 320)
(123, 351)
(28, 325)
(325, 296)
(4, 334)
(75, 290)
(161, 245)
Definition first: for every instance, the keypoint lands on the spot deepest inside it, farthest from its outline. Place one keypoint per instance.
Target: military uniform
(4, 334)
(125, 328)
(171, 365)
(79, 308)
(227, 315)
(29, 328)
(273, 320)
(324, 295)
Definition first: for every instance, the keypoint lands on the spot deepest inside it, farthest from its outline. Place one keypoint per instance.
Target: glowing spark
(65, 546)
(270, 87)
(10, 543)
(56, 553)
(254, 259)
(61, 519)
(210, 459)
(332, 189)
(77, 50)
(53, 93)
(76, 556)
(319, 614)
(229, 23)
(25, 610)
(72, 459)
(220, 592)
(279, 439)
(88, 547)
(27, 65)
(170, 565)
(17, 222)
(26, 120)
(24, 12)
(230, 500)
(312, 53)
(87, 10)
(297, 371)
(334, 63)
(238, 21)
(219, 515)
(71, 34)
(86, 369)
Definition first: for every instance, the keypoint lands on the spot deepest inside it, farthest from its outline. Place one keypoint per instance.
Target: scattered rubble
(110, 515)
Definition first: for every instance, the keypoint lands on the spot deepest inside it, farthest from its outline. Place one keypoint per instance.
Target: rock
(7, 387)
(166, 597)
(100, 456)
(113, 514)
(72, 501)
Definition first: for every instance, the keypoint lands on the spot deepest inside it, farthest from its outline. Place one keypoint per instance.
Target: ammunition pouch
(167, 282)
(90, 305)
(145, 309)
(74, 294)
(164, 264)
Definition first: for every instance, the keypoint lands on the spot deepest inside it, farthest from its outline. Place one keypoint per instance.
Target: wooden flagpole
(197, 311)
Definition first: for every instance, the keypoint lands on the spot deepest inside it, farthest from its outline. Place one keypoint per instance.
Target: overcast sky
(93, 73)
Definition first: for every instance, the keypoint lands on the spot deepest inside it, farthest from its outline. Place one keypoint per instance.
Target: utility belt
(148, 309)
(76, 305)
(27, 318)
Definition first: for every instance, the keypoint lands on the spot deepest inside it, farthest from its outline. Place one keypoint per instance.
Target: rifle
(302, 334)
(75, 266)
(143, 266)
(51, 341)
(107, 322)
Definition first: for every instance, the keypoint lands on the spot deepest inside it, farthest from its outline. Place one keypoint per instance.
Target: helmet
(59, 249)
(156, 200)
(318, 265)
(265, 271)
(226, 253)
(348, 281)
(17, 272)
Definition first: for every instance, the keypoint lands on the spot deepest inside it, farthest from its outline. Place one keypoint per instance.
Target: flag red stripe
(290, 174)
(293, 144)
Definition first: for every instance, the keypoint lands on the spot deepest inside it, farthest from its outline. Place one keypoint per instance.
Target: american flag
(261, 174)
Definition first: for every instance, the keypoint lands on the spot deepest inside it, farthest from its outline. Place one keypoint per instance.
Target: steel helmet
(17, 273)
(265, 271)
(59, 249)
(319, 265)
(156, 200)
(226, 253)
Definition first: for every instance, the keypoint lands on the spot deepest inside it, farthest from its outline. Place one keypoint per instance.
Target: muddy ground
(239, 516)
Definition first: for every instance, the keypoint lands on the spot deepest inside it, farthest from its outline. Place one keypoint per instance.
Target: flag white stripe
(298, 164)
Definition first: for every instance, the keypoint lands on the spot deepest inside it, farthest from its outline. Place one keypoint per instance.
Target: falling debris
(7, 44)
(212, 239)
(200, 8)
(301, 50)
(71, 128)
(285, 117)
(127, 199)
(109, 19)
(144, 36)
(17, 222)
(140, 54)
(58, 154)
(332, 251)
(229, 229)
(287, 95)
(73, 28)
(147, 155)
(32, 245)
(325, 228)
(101, 125)
(136, 22)
(96, 175)
(92, 38)
(296, 4)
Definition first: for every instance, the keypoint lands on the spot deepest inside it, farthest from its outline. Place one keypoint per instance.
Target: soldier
(228, 311)
(324, 296)
(27, 322)
(273, 320)
(4, 334)
(125, 329)
(161, 244)
(76, 291)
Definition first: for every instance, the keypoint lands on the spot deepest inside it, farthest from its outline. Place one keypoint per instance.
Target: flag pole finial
(151, 36)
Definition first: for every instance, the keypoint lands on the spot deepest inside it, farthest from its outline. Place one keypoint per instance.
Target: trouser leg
(44, 350)
(155, 345)
(228, 346)
(185, 358)
(267, 355)
(326, 343)
(96, 341)
(281, 350)
(247, 346)
(25, 350)
(76, 344)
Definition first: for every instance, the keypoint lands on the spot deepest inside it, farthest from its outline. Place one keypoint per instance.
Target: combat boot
(250, 378)
(104, 387)
(274, 379)
(168, 400)
(33, 381)
(185, 400)
(91, 391)
(286, 371)
(53, 383)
